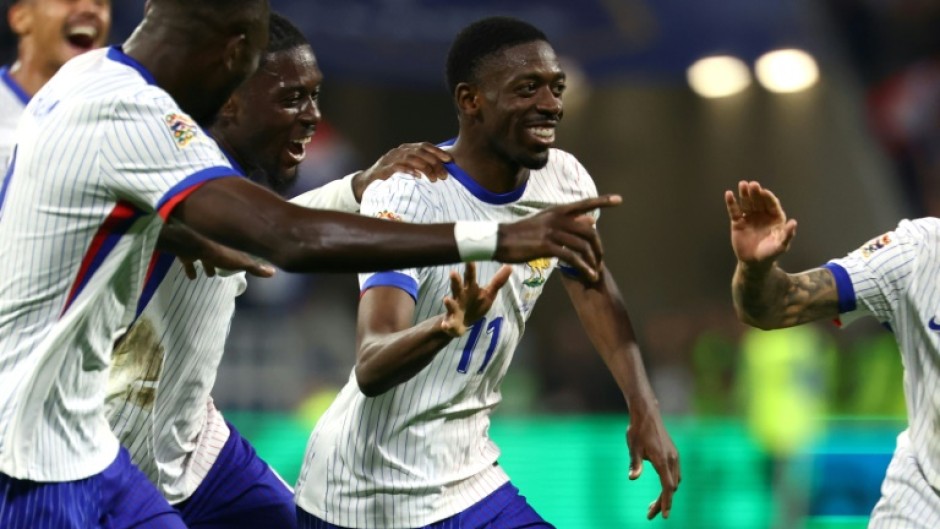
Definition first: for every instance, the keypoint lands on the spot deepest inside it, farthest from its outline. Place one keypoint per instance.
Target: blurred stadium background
(784, 429)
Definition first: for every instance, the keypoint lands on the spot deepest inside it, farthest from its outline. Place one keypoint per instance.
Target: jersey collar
(116, 53)
(13, 85)
(476, 189)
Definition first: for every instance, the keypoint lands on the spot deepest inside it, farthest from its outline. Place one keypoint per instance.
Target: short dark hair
(482, 39)
(283, 35)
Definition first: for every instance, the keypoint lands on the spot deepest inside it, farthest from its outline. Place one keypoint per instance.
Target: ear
(20, 18)
(237, 55)
(468, 98)
(229, 111)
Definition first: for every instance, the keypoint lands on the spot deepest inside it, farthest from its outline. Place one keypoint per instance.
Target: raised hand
(647, 439)
(423, 160)
(468, 302)
(760, 230)
(562, 231)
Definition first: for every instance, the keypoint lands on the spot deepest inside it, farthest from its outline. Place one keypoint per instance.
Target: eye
(528, 88)
(559, 89)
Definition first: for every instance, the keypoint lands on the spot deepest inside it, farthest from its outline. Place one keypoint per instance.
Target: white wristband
(476, 240)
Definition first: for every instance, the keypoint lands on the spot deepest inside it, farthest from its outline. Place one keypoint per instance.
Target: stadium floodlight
(718, 76)
(786, 70)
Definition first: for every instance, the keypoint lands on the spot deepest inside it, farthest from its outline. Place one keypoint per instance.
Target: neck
(493, 171)
(218, 134)
(30, 71)
(162, 58)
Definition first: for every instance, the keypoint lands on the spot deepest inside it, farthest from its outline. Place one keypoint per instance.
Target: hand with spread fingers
(468, 302)
(423, 160)
(760, 230)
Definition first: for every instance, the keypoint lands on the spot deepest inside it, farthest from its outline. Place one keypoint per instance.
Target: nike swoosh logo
(934, 326)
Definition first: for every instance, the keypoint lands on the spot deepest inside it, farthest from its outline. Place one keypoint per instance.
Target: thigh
(31, 505)
(131, 501)
(120, 497)
(305, 520)
(907, 500)
(505, 508)
(240, 492)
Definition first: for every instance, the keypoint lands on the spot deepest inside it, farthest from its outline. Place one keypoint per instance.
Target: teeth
(543, 132)
(87, 31)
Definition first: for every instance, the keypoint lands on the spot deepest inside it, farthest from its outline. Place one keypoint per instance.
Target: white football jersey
(12, 102)
(420, 452)
(163, 370)
(894, 278)
(102, 157)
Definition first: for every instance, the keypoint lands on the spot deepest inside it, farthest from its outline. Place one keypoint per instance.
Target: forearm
(246, 217)
(385, 361)
(604, 317)
(770, 298)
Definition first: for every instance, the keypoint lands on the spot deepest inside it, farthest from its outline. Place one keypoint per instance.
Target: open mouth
(544, 134)
(297, 150)
(82, 36)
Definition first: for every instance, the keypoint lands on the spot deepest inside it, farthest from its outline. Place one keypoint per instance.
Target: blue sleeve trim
(847, 301)
(196, 178)
(570, 271)
(393, 279)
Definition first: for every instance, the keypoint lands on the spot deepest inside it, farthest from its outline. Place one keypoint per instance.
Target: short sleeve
(398, 199)
(873, 278)
(154, 155)
(334, 196)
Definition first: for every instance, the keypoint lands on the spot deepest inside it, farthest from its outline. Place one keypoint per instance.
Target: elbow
(369, 383)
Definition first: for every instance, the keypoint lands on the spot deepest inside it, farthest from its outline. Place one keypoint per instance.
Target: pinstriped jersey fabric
(159, 402)
(895, 278)
(12, 102)
(102, 155)
(420, 452)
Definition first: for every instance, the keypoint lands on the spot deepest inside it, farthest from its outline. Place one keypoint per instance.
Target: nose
(310, 112)
(548, 102)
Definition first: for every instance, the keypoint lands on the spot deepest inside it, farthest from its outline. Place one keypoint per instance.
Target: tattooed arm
(764, 295)
(771, 299)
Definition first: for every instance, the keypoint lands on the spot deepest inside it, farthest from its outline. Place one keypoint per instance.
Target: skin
(764, 295)
(51, 32)
(202, 72)
(516, 90)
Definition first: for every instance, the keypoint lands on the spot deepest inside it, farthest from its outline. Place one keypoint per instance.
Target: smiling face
(521, 91)
(273, 116)
(58, 30)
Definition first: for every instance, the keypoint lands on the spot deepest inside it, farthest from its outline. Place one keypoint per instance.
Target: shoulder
(403, 186)
(564, 173)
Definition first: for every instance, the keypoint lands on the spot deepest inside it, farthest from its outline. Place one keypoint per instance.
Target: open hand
(468, 302)
(418, 159)
(760, 230)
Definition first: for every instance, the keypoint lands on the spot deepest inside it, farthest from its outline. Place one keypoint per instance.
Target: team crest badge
(874, 245)
(536, 272)
(388, 215)
(182, 127)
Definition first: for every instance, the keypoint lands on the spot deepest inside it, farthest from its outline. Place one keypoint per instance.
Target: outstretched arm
(764, 295)
(245, 216)
(391, 351)
(602, 312)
